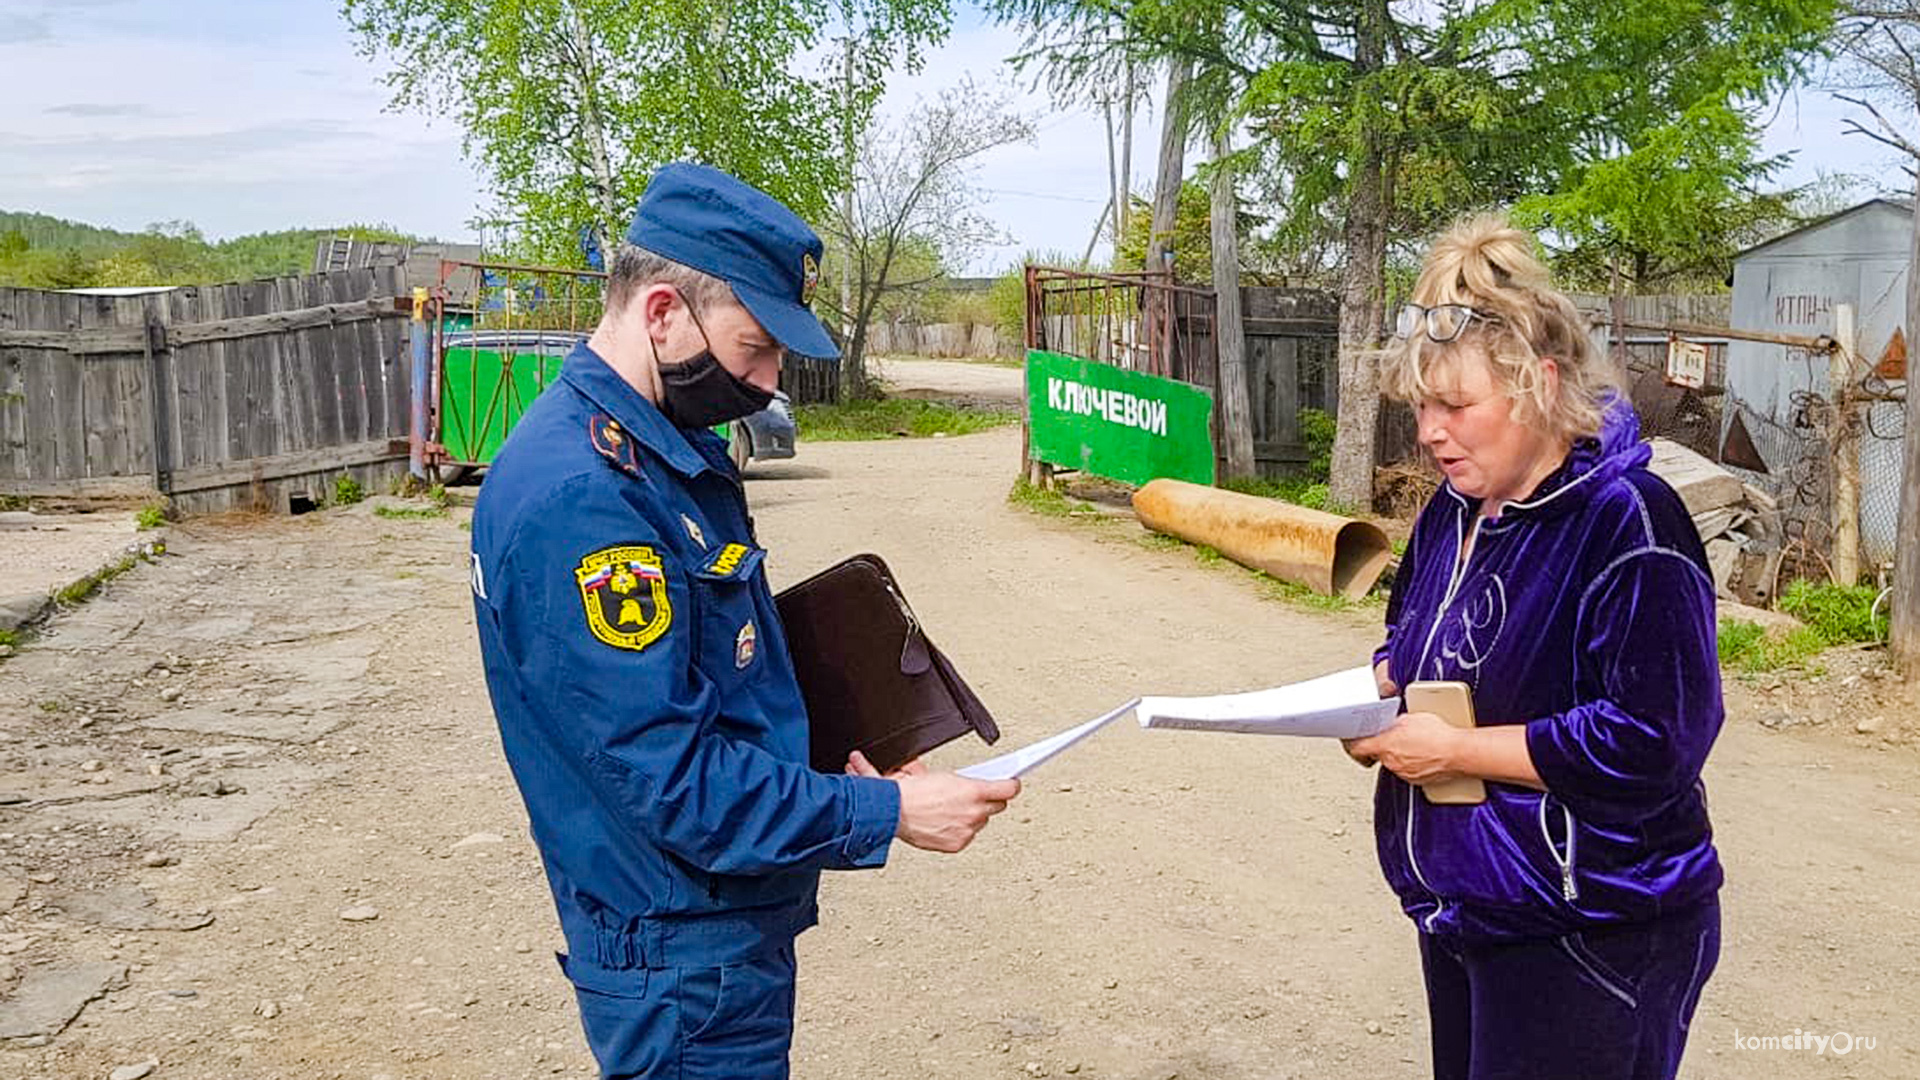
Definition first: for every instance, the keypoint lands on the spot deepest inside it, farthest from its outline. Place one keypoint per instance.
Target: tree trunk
(606, 200)
(1173, 148)
(853, 363)
(1113, 178)
(1125, 209)
(1236, 413)
(1362, 283)
(1905, 613)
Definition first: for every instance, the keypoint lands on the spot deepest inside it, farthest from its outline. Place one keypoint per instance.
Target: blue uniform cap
(718, 224)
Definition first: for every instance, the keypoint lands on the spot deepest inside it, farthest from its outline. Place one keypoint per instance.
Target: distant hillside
(43, 252)
(42, 231)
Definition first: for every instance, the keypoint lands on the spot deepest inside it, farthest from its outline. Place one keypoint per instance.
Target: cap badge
(809, 277)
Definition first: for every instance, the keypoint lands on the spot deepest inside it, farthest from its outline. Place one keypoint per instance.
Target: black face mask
(699, 392)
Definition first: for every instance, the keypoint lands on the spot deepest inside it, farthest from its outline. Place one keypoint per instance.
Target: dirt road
(1155, 905)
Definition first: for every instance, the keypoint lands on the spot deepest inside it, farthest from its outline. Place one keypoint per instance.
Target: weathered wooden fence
(214, 396)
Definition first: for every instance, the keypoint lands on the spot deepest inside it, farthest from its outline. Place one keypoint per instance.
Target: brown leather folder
(872, 680)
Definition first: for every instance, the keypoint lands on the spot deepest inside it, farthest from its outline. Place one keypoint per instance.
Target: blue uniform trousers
(731, 1022)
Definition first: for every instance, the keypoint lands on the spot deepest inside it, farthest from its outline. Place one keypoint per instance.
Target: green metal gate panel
(1116, 423)
(487, 380)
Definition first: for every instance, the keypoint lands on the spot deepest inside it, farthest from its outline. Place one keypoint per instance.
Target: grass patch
(409, 513)
(895, 418)
(1300, 596)
(151, 516)
(1298, 490)
(1049, 503)
(9, 638)
(79, 591)
(1054, 504)
(1837, 614)
(347, 490)
(1748, 648)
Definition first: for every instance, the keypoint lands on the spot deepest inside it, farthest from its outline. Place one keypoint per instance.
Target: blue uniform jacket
(646, 699)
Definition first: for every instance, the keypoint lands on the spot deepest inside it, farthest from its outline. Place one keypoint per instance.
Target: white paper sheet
(1022, 761)
(1344, 705)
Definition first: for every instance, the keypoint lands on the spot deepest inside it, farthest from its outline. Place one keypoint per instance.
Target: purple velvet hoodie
(1586, 613)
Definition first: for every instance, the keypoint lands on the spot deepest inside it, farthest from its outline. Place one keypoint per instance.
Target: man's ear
(654, 306)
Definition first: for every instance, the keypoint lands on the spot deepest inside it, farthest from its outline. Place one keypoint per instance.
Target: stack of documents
(1344, 705)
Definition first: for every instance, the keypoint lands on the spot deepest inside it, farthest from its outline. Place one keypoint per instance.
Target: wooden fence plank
(241, 407)
(83, 487)
(277, 466)
(397, 368)
(316, 374)
(261, 357)
(188, 409)
(365, 339)
(13, 392)
(125, 339)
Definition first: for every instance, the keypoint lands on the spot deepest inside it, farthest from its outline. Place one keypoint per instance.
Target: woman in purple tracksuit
(1567, 923)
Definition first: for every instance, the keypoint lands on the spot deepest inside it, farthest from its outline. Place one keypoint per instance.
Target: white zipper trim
(1569, 888)
(1607, 984)
(1462, 555)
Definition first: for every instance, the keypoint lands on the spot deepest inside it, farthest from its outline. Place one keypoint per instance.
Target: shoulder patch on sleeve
(730, 562)
(614, 443)
(624, 591)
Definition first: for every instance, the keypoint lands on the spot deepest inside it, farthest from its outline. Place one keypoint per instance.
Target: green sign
(1119, 424)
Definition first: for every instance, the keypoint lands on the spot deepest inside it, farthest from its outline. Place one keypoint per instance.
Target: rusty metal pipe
(1327, 553)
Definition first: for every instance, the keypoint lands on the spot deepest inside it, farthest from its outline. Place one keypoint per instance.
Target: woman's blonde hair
(1486, 264)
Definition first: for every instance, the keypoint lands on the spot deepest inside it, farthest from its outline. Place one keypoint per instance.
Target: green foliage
(1298, 490)
(79, 591)
(409, 513)
(895, 417)
(1837, 614)
(1300, 596)
(1749, 648)
(1669, 212)
(568, 106)
(962, 306)
(1038, 500)
(41, 252)
(151, 516)
(1007, 302)
(9, 638)
(1192, 235)
(347, 490)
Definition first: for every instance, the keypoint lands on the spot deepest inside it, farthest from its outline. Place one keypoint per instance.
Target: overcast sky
(249, 115)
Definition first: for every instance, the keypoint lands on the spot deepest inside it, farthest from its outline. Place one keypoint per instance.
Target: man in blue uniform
(637, 666)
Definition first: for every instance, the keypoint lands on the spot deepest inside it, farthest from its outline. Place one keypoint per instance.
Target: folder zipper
(913, 624)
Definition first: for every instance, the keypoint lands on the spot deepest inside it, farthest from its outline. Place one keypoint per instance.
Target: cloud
(24, 30)
(258, 153)
(91, 110)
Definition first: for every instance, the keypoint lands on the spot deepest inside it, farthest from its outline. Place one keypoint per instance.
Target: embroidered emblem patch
(693, 531)
(726, 561)
(809, 277)
(624, 590)
(614, 444)
(744, 645)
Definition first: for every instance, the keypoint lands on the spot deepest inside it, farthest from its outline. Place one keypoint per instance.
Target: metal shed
(1792, 284)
